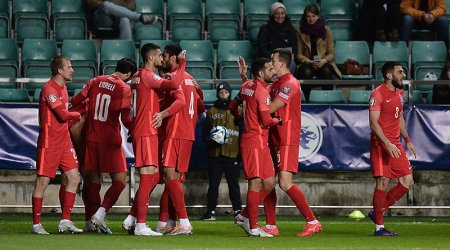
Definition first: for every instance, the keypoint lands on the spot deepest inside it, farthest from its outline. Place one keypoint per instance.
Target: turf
(339, 233)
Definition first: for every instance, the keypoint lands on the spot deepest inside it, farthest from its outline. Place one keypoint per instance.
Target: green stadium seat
(147, 32)
(223, 30)
(228, 53)
(209, 96)
(429, 97)
(326, 96)
(36, 57)
(256, 13)
(161, 43)
(76, 91)
(206, 85)
(83, 56)
(223, 20)
(30, 19)
(428, 56)
(417, 97)
(9, 58)
(342, 33)
(153, 7)
(356, 50)
(389, 51)
(36, 94)
(14, 95)
(4, 19)
(234, 93)
(114, 50)
(8, 85)
(69, 13)
(338, 11)
(200, 58)
(357, 96)
(185, 19)
(295, 8)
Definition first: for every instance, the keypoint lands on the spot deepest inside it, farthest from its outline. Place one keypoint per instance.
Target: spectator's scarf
(316, 30)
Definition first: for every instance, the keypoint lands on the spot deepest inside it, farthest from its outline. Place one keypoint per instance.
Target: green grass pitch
(339, 233)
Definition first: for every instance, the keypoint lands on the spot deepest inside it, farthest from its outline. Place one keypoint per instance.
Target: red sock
(379, 199)
(172, 211)
(164, 205)
(112, 195)
(69, 200)
(270, 203)
(300, 201)
(245, 212)
(394, 195)
(37, 209)
(62, 189)
(253, 208)
(177, 194)
(91, 199)
(146, 185)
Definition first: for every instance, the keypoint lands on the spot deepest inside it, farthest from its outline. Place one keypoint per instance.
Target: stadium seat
(223, 20)
(417, 97)
(342, 33)
(147, 32)
(76, 91)
(30, 19)
(200, 58)
(37, 93)
(69, 13)
(206, 85)
(7, 85)
(209, 96)
(9, 58)
(356, 50)
(36, 57)
(153, 7)
(357, 96)
(14, 95)
(228, 53)
(4, 19)
(256, 13)
(295, 8)
(427, 57)
(185, 19)
(326, 96)
(338, 11)
(234, 93)
(83, 56)
(389, 51)
(161, 43)
(114, 50)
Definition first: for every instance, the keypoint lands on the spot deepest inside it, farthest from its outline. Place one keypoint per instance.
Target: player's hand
(167, 76)
(182, 55)
(411, 149)
(242, 66)
(393, 150)
(129, 139)
(157, 120)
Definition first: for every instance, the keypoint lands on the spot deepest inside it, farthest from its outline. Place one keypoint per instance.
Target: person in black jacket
(277, 33)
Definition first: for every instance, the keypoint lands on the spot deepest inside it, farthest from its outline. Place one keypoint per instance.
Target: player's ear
(389, 76)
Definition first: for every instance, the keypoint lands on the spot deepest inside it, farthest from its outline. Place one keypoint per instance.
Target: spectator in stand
(118, 14)
(277, 33)
(441, 93)
(379, 20)
(421, 14)
(315, 50)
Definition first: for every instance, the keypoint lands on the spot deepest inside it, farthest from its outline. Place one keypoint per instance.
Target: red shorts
(383, 164)
(104, 158)
(286, 158)
(146, 151)
(176, 153)
(49, 159)
(257, 163)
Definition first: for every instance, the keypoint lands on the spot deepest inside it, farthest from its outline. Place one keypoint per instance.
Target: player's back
(108, 95)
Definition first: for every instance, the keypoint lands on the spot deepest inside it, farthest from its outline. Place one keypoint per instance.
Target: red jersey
(108, 96)
(255, 99)
(53, 133)
(390, 104)
(181, 125)
(287, 89)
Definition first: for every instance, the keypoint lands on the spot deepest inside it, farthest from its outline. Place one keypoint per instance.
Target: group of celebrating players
(160, 109)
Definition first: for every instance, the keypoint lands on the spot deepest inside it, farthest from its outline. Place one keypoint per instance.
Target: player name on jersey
(107, 85)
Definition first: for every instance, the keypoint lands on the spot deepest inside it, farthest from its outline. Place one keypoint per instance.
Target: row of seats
(209, 96)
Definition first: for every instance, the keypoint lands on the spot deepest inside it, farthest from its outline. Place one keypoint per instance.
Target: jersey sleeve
(262, 99)
(286, 91)
(126, 98)
(153, 81)
(51, 97)
(375, 101)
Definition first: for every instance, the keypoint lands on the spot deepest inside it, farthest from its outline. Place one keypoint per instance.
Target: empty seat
(7, 85)
(69, 13)
(228, 53)
(223, 20)
(209, 96)
(389, 51)
(357, 96)
(83, 56)
(185, 19)
(338, 11)
(36, 94)
(147, 32)
(355, 50)
(160, 43)
(200, 58)
(326, 96)
(256, 13)
(9, 58)
(295, 8)
(30, 19)
(4, 19)
(114, 50)
(14, 95)
(36, 57)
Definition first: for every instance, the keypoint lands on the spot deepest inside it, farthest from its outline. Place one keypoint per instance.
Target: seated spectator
(441, 93)
(117, 14)
(277, 33)
(379, 20)
(315, 50)
(421, 14)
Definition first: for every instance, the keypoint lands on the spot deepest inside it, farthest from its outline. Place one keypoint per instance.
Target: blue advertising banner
(334, 137)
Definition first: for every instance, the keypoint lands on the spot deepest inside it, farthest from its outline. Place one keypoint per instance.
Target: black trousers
(216, 167)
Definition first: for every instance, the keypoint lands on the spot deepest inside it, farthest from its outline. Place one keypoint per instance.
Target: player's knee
(284, 185)
(74, 179)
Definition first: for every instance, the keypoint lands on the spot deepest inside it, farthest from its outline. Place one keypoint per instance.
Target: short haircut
(57, 63)
(388, 67)
(285, 56)
(125, 66)
(173, 49)
(146, 49)
(258, 65)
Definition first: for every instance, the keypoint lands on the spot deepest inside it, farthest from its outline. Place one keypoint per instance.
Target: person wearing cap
(222, 158)
(277, 33)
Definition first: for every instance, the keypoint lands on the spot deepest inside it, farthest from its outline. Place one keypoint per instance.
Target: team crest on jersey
(250, 83)
(52, 98)
(268, 100)
(287, 90)
(311, 137)
(156, 77)
(372, 101)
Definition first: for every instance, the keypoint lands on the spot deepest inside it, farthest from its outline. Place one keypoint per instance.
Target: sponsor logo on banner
(311, 137)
